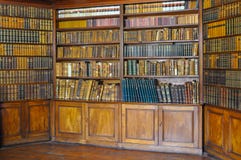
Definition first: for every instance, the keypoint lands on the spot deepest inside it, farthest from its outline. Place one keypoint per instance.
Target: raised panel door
(178, 126)
(234, 136)
(139, 124)
(10, 123)
(214, 128)
(102, 122)
(70, 122)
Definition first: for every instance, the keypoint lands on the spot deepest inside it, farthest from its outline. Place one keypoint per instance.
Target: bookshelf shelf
(87, 59)
(154, 49)
(93, 78)
(186, 11)
(26, 53)
(89, 28)
(222, 39)
(162, 26)
(164, 57)
(164, 41)
(87, 17)
(89, 55)
(151, 77)
(87, 44)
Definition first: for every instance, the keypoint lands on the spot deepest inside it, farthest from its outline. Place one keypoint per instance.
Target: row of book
(98, 69)
(87, 90)
(25, 76)
(25, 23)
(215, 3)
(26, 63)
(161, 34)
(90, 11)
(25, 11)
(223, 11)
(25, 36)
(222, 61)
(226, 78)
(161, 50)
(222, 96)
(16, 92)
(160, 6)
(225, 44)
(8, 49)
(153, 91)
(167, 67)
(95, 36)
(86, 23)
(222, 28)
(153, 21)
(89, 51)
(187, 93)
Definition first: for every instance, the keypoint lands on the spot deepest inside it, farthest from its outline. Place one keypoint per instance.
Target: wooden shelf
(88, 28)
(164, 57)
(178, 12)
(86, 17)
(161, 26)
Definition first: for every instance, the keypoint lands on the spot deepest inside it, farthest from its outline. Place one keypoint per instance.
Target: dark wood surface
(55, 151)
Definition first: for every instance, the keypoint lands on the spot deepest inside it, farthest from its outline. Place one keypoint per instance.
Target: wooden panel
(69, 121)
(179, 126)
(234, 142)
(139, 124)
(214, 129)
(102, 122)
(38, 113)
(10, 123)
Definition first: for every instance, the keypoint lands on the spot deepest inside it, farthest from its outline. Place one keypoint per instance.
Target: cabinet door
(70, 122)
(234, 135)
(215, 126)
(139, 124)
(102, 122)
(179, 126)
(10, 123)
(37, 120)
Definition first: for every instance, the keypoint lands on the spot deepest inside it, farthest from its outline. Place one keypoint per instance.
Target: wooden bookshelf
(116, 122)
(26, 75)
(222, 69)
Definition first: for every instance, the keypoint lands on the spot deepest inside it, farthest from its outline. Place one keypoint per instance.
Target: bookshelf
(155, 52)
(222, 67)
(221, 77)
(88, 54)
(25, 53)
(161, 52)
(26, 74)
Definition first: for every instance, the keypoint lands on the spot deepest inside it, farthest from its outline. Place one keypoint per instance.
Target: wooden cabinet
(23, 122)
(11, 123)
(162, 128)
(70, 121)
(102, 124)
(179, 126)
(222, 137)
(139, 124)
(37, 120)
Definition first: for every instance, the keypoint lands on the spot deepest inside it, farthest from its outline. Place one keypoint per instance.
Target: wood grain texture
(234, 143)
(179, 126)
(10, 123)
(222, 132)
(69, 121)
(139, 124)
(214, 129)
(102, 122)
(53, 151)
